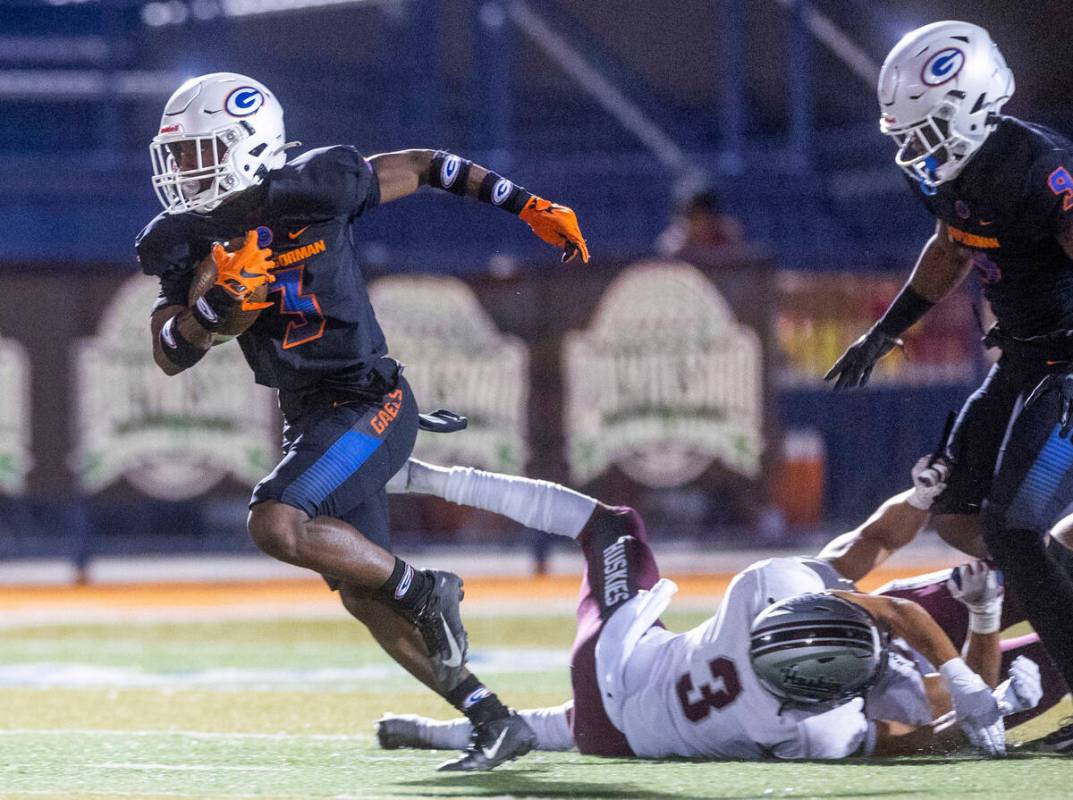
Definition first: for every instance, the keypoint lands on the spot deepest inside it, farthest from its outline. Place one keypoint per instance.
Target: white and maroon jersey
(695, 694)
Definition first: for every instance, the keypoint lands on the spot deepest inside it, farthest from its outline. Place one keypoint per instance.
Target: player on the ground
(1001, 191)
(221, 171)
(795, 664)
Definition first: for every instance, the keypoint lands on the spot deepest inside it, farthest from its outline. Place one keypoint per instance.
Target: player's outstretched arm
(404, 172)
(540, 505)
(979, 588)
(941, 268)
(892, 526)
(977, 710)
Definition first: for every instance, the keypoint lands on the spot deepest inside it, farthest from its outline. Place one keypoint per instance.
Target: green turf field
(285, 710)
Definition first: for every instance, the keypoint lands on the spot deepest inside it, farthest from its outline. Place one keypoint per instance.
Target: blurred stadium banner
(15, 457)
(664, 383)
(658, 383)
(456, 357)
(625, 379)
(170, 438)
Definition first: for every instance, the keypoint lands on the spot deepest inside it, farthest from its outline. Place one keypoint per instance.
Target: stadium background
(619, 109)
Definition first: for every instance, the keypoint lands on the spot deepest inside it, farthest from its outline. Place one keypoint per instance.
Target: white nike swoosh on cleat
(490, 752)
(456, 653)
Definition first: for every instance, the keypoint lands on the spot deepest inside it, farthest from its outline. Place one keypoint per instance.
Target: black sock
(407, 587)
(476, 701)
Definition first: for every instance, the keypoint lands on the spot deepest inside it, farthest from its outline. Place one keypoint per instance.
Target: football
(239, 320)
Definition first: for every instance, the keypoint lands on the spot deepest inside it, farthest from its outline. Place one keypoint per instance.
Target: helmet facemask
(210, 175)
(932, 151)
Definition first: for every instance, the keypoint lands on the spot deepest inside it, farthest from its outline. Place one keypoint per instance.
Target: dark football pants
(977, 436)
(339, 458)
(1033, 484)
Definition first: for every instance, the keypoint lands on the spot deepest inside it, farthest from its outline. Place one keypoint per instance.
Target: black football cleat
(1058, 741)
(493, 743)
(395, 731)
(439, 621)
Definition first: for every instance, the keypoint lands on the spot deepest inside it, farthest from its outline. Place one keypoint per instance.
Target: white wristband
(918, 499)
(956, 671)
(986, 621)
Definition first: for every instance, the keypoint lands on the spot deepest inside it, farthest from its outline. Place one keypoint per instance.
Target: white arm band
(541, 505)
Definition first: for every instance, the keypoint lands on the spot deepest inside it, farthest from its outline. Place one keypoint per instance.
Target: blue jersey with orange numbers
(321, 334)
(1007, 206)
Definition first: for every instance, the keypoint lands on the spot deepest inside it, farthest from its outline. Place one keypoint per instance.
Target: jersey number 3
(698, 702)
(1061, 183)
(308, 322)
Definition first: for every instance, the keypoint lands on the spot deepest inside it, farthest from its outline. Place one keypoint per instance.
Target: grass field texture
(283, 708)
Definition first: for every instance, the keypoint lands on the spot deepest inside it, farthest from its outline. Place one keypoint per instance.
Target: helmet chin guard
(940, 92)
(219, 135)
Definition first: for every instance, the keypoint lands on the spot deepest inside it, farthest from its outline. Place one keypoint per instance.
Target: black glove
(441, 421)
(855, 366)
(1064, 385)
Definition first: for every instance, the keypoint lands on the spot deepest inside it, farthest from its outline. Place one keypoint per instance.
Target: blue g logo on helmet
(244, 101)
(943, 66)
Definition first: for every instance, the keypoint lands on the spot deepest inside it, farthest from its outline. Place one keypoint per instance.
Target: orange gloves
(556, 225)
(244, 271)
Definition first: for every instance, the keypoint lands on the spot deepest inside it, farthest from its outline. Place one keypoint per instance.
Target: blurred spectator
(699, 224)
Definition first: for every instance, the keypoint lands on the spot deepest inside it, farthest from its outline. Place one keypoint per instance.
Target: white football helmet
(220, 134)
(940, 91)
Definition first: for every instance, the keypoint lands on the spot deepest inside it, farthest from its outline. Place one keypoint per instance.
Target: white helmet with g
(940, 91)
(219, 135)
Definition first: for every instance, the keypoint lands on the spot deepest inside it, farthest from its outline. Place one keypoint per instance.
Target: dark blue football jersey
(1007, 206)
(322, 333)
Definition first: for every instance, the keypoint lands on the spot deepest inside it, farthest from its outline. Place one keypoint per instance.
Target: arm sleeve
(835, 734)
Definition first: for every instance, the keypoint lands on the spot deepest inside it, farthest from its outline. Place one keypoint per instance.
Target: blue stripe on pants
(339, 462)
(1038, 499)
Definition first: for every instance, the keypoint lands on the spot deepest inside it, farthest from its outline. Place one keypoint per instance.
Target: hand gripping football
(244, 314)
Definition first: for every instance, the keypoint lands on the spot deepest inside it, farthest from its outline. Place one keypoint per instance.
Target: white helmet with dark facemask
(219, 135)
(816, 648)
(940, 91)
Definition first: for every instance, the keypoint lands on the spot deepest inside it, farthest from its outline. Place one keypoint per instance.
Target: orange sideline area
(484, 590)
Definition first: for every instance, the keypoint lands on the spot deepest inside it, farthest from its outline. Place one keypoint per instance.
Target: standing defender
(1002, 192)
(350, 419)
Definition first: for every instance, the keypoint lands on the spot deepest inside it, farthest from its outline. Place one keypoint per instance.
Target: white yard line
(51, 674)
(316, 737)
(188, 767)
(157, 793)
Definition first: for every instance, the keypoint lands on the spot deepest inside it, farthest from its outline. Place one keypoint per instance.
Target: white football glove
(1022, 690)
(977, 710)
(981, 589)
(929, 481)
